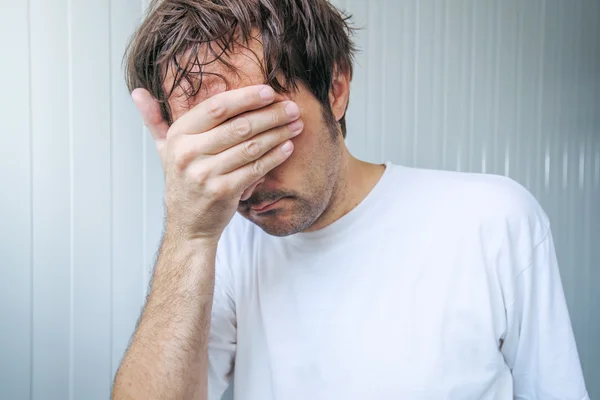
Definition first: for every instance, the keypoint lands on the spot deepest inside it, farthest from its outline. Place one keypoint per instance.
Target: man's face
(295, 194)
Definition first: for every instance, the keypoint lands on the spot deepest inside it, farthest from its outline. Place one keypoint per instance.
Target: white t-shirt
(438, 285)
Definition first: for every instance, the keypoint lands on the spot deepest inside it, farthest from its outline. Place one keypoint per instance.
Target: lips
(266, 206)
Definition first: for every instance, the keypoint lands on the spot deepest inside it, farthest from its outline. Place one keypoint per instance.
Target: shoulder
(495, 220)
(504, 207)
(498, 199)
(501, 211)
(484, 193)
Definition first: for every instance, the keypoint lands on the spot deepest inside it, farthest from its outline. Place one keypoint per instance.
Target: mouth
(266, 206)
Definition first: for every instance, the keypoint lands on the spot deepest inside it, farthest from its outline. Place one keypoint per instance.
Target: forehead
(216, 76)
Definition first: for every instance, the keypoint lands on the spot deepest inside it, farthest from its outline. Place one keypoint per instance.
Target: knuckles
(182, 153)
(199, 176)
(241, 127)
(258, 168)
(251, 149)
(216, 109)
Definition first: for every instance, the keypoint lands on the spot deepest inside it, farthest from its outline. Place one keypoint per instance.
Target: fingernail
(292, 110)
(267, 94)
(287, 148)
(296, 126)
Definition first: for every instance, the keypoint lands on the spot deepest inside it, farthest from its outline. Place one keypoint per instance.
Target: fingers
(241, 182)
(241, 140)
(250, 124)
(221, 107)
(240, 179)
(149, 109)
(253, 149)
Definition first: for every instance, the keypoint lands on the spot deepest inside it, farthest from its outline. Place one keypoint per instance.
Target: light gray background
(499, 86)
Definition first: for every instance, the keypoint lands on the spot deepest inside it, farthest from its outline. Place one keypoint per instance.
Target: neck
(354, 182)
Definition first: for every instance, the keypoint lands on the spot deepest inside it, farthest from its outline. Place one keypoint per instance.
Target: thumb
(149, 109)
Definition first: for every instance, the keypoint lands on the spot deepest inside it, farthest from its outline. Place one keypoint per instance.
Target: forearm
(168, 356)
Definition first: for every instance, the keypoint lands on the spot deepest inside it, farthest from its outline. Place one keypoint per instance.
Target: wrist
(183, 237)
(185, 264)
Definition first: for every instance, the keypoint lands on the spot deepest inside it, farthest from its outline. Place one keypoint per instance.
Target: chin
(279, 222)
(278, 230)
(275, 223)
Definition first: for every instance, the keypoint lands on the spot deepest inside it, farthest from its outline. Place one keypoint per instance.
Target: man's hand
(216, 154)
(213, 156)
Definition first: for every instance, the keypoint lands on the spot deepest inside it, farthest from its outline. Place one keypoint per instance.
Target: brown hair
(303, 41)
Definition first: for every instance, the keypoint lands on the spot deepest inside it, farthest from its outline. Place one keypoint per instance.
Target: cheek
(305, 146)
(299, 162)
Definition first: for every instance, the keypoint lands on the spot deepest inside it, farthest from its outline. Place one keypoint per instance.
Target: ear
(339, 92)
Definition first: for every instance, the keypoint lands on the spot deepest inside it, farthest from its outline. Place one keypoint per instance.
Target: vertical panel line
(518, 104)
(144, 200)
(110, 204)
(540, 91)
(71, 197)
(384, 86)
(578, 74)
(415, 133)
(445, 86)
(597, 170)
(587, 213)
(31, 223)
(144, 213)
(510, 133)
(596, 106)
(367, 65)
(558, 115)
(581, 165)
(434, 77)
(472, 88)
(496, 95)
(565, 171)
(576, 210)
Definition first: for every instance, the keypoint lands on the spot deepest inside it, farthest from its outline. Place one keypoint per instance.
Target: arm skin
(168, 356)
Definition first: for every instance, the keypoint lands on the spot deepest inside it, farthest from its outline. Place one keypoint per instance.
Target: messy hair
(304, 41)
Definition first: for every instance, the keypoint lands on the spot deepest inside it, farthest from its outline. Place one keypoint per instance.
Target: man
(337, 279)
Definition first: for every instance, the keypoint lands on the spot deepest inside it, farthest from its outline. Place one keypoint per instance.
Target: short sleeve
(222, 341)
(539, 346)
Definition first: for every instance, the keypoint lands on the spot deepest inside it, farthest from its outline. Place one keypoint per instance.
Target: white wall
(499, 86)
